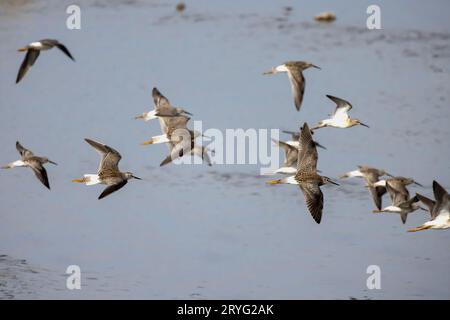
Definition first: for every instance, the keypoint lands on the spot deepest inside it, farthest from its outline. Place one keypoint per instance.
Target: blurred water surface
(219, 232)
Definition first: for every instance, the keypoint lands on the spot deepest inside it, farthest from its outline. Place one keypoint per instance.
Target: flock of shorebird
(301, 160)
(300, 153)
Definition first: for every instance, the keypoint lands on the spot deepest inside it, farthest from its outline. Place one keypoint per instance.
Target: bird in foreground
(163, 108)
(371, 176)
(294, 70)
(28, 159)
(108, 172)
(340, 117)
(399, 194)
(34, 49)
(439, 209)
(306, 176)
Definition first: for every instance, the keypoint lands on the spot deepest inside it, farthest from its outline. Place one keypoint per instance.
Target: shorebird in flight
(34, 49)
(340, 117)
(439, 209)
(306, 176)
(28, 159)
(180, 139)
(294, 70)
(163, 108)
(399, 194)
(108, 172)
(371, 176)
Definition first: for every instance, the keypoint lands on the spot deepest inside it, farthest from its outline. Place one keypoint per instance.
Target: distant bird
(163, 108)
(439, 209)
(306, 176)
(108, 172)
(28, 159)
(401, 202)
(340, 118)
(294, 70)
(403, 180)
(325, 17)
(33, 51)
(371, 176)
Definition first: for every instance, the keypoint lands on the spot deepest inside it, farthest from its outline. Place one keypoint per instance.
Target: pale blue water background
(219, 232)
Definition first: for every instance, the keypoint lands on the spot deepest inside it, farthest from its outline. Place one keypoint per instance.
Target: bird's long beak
(415, 182)
(52, 162)
(335, 183)
(314, 66)
(188, 113)
(271, 71)
(320, 146)
(377, 211)
(78, 180)
(22, 49)
(389, 175)
(141, 116)
(136, 178)
(274, 181)
(147, 142)
(364, 125)
(419, 228)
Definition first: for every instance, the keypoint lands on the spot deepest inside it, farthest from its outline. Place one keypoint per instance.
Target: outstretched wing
(297, 86)
(110, 157)
(426, 201)
(314, 199)
(342, 106)
(40, 172)
(112, 188)
(28, 61)
(307, 158)
(63, 48)
(160, 101)
(24, 153)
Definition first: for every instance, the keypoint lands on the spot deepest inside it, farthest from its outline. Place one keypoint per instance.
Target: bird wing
(307, 157)
(40, 172)
(397, 192)
(439, 191)
(110, 157)
(161, 102)
(24, 153)
(426, 201)
(63, 48)
(314, 199)
(290, 152)
(342, 106)
(28, 61)
(112, 188)
(377, 195)
(202, 152)
(297, 86)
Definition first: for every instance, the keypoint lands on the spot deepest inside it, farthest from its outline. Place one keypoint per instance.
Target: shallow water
(198, 232)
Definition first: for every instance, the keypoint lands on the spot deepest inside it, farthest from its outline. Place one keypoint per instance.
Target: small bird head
(45, 160)
(182, 111)
(407, 181)
(355, 122)
(129, 175)
(327, 180)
